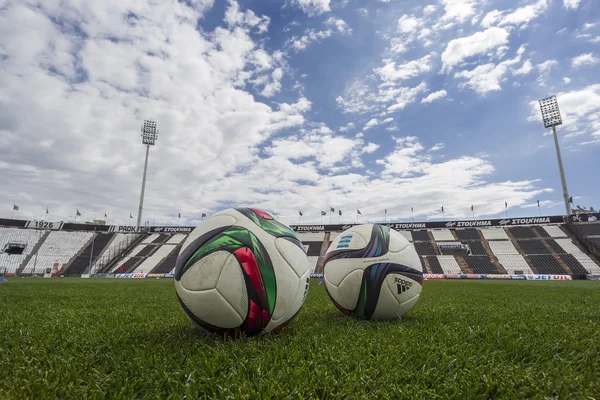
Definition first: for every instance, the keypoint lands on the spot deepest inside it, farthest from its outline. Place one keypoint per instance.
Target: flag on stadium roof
(358, 212)
(130, 216)
(46, 209)
(77, 213)
(15, 207)
(203, 215)
(323, 213)
(442, 208)
(105, 214)
(471, 207)
(340, 212)
(300, 213)
(505, 205)
(385, 210)
(332, 209)
(178, 215)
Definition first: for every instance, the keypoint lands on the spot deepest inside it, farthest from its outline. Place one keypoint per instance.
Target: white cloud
(408, 24)
(404, 96)
(458, 11)
(463, 48)
(584, 60)
(414, 68)
(566, 80)
(313, 7)
(437, 147)
(234, 17)
(373, 122)
(370, 148)
(340, 25)
(434, 96)
(546, 65)
(387, 120)
(310, 36)
(429, 9)
(347, 127)
(571, 4)
(588, 26)
(526, 68)
(491, 18)
(523, 15)
(595, 40)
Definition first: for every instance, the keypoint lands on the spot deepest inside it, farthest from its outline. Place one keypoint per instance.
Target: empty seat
(533, 247)
(587, 263)
(420, 236)
(27, 238)
(425, 249)
(58, 248)
(522, 232)
(311, 236)
(151, 238)
(514, 264)
(588, 228)
(467, 234)
(151, 262)
(481, 265)
(313, 248)
(176, 239)
(546, 264)
(312, 264)
(476, 247)
(406, 234)
(540, 231)
(503, 247)
(554, 231)
(574, 264)
(88, 255)
(494, 234)
(568, 246)
(442, 235)
(449, 265)
(434, 265)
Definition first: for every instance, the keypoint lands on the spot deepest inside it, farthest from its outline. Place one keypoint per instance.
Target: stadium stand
(573, 264)
(522, 232)
(406, 234)
(176, 239)
(133, 258)
(547, 264)
(533, 247)
(514, 264)
(567, 246)
(587, 263)
(499, 247)
(434, 264)
(311, 236)
(481, 265)
(467, 234)
(443, 235)
(156, 258)
(313, 249)
(494, 234)
(88, 255)
(420, 236)
(58, 248)
(554, 231)
(151, 238)
(476, 247)
(588, 229)
(17, 244)
(312, 263)
(115, 248)
(449, 265)
(168, 263)
(425, 249)
(540, 231)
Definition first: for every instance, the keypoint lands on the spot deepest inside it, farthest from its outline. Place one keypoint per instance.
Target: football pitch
(125, 339)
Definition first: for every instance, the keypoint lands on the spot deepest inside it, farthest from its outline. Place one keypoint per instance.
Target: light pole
(551, 117)
(149, 136)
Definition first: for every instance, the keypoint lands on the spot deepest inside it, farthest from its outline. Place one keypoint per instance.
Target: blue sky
(297, 105)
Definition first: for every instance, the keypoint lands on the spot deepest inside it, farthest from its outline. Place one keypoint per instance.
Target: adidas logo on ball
(402, 285)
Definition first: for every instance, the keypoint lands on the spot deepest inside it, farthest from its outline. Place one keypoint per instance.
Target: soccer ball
(372, 272)
(241, 272)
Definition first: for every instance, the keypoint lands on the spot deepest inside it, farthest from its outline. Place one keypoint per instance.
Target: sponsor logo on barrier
(170, 229)
(411, 225)
(138, 275)
(492, 276)
(169, 275)
(525, 221)
(346, 227)
(155, 275)
(433, 276)
(465, 224)
(521, 277)
(474, 276)
(308, 228)
(561, 277)
(451, 247)
(316, 275)
(453, 276)
(539, 277)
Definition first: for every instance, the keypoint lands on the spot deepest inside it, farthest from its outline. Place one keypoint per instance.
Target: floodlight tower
(149, 136)
(551, 117)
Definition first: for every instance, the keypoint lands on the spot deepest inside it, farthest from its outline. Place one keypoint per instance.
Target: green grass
(124, 339)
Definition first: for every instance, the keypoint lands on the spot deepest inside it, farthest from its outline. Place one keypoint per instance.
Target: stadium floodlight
(551, 117)
(149, 136)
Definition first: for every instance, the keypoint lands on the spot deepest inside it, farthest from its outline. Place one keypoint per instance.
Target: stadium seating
(313, 248)
(434, 264)
(176, 239)
(547, 264)
(58, 248)
(151, 262)
(554, 231)
(119, 242)
(420, 236)
(168, 264)
(476, 247)
(406, 234)
(514, 264)
(135, 256)
(9, 263)
(533, 247)
(312, 263)
(573, 264)
(443, 235)
(494, 234)
(94, 248)
(467, 234)
(425, 249)
(481, 265)
(588, 229)
(449, 265)
(311, 236)
(522, 232)
(587, 263)
(502, 247)
(568, 246)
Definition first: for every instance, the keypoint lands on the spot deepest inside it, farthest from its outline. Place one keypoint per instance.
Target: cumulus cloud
(440, 94)
(313, 7)
(392, 72)
(571, 4)
(373, 122)
(463, 48)
(584, 60)
(310, 36)
(340, 25)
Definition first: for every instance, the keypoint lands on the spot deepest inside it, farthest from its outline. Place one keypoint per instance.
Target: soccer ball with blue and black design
(241, 273)
(372, 272)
